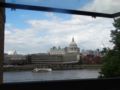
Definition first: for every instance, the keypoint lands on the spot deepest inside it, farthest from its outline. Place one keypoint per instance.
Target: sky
(36, 31)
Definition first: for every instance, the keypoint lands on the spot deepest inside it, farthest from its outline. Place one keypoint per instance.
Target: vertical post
(2, 21)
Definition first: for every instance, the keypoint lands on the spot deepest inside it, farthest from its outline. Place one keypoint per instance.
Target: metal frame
(93, 84)
(2, 26)
(58, 10)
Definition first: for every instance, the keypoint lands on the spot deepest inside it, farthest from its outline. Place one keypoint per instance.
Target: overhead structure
(78, 7)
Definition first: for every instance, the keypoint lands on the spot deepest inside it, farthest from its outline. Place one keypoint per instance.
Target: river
(25, 76)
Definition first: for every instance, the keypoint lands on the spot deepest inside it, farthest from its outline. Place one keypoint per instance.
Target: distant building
(91, 57)
(70, 54)
(45, 58)
(91, 52)
(54, 59)
(72, 48)
(57, 51)
(15, 58)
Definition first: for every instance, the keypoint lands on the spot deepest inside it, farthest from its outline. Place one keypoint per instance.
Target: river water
(25, 76)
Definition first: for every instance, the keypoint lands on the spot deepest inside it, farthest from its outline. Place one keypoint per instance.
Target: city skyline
(58, 49)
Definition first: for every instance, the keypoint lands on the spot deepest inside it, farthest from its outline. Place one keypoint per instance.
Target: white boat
(42, 70)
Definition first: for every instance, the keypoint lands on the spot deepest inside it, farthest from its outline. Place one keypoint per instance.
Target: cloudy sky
(36, 32)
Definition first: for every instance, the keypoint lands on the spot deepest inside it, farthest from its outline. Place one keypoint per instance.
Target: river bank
(54, 67)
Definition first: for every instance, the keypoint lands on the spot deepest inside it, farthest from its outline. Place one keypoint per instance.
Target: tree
(111, 60)
(104, 51)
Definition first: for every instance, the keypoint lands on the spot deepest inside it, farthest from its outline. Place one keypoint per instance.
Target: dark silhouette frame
(82, 84)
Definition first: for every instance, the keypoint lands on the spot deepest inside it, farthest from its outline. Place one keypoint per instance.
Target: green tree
(104, 51)
(111, 60)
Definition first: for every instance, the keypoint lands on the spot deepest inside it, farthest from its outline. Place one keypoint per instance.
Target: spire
(73, 39)
(15, 52)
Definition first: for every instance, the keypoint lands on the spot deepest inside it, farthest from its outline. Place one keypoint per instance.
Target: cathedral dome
(73, 47)
(73, 43)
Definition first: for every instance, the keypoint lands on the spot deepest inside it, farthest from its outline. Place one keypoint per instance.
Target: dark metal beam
(50, 9)
(2, 17)
(116, 14)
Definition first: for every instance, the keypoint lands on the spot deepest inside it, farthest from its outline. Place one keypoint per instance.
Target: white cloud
(104, 6)
(89, 33)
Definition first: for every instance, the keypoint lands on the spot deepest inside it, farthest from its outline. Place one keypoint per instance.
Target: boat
(42, 70)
